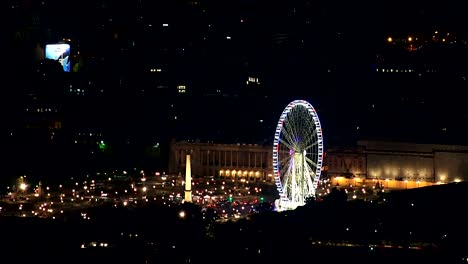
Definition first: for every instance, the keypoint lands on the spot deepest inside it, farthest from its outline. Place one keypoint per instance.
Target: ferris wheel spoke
(286, 179)
(285, 171)
(310, 181)
(311, 145)
(298, 120)
(286, 143)
(285, 160)
(311, 162)
(283, 153)
(291, 137)
(295, 119)
(311, 138)
(287, 135)
(293, 125)
(285, 168)
(311, 171)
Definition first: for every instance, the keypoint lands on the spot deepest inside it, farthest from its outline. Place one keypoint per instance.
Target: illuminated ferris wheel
(297, 154)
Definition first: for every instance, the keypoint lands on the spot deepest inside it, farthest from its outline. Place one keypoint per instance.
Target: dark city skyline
(337, 124)
(160, 69)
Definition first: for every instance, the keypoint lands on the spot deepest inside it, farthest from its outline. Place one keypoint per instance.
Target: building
(392, 165)
(398, 165)
(342, 162)
(249, 162)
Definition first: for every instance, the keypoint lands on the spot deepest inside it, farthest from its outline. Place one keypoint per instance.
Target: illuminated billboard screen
(60, 53)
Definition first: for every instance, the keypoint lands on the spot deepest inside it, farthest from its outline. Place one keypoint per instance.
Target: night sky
(326, 52)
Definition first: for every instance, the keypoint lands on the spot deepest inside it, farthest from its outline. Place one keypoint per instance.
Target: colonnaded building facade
(394, 165)
(249, 162)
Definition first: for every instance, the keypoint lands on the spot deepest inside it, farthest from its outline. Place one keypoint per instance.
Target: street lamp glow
(23, 186)
(389, 39)
(182, 214)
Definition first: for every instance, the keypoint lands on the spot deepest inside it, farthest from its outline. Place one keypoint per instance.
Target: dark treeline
(422, 226)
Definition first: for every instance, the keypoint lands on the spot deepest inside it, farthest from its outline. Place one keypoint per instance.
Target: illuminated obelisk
(188, 180)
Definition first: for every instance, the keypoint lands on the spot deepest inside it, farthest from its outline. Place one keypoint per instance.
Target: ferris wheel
(297, 154)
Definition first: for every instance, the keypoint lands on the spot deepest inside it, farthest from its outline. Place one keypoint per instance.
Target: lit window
(181, 88)
(253, 80)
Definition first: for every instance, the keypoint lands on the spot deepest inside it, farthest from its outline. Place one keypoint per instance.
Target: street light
(182, 214)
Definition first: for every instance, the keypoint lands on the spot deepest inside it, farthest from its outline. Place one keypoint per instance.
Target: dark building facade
(250, 162)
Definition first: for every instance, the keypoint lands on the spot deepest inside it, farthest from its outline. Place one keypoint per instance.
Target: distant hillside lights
(41, 110)
(412, 43)
(391, 70)
(391, 40)
(89, 138)
(76, 91)
(401, 70)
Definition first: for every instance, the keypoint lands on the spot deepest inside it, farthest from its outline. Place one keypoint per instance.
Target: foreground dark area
(423, 226)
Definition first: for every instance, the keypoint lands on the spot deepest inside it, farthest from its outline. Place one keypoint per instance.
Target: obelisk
(188, 180)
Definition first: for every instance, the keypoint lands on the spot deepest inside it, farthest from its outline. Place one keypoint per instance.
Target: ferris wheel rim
(317, 129)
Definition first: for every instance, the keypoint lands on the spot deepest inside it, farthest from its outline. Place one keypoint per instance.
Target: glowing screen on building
(60, 53)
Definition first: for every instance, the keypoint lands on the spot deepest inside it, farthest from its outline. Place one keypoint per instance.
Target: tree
(336, 196)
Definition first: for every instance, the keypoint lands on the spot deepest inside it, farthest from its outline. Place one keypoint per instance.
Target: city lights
(182, 214)
(234, 131)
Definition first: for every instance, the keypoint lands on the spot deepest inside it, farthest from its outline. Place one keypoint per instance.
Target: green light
(102, 145)
(261, 199)
(230, 199)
